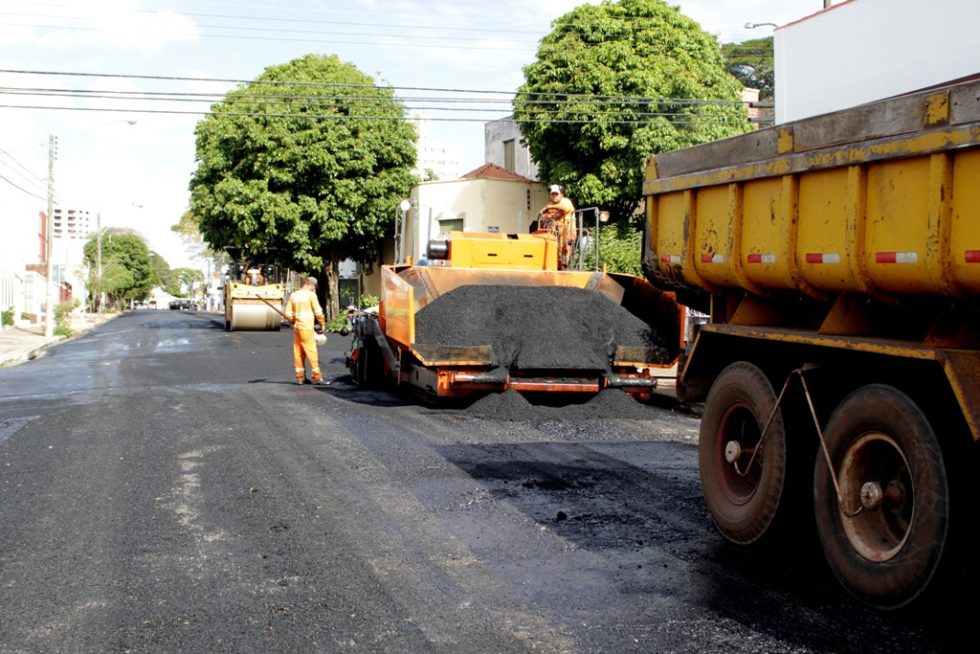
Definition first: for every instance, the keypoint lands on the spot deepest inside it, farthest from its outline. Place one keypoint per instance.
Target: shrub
(7, 317)
(62, 319)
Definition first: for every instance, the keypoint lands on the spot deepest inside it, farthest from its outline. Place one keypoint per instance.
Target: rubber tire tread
(900, 581)
(745, 385)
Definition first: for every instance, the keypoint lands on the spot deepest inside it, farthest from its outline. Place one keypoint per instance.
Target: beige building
(488, 198)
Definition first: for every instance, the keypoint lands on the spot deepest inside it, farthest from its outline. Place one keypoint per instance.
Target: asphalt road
(164, 487)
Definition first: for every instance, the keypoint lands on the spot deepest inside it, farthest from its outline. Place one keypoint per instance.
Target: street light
(752, 26)
(404, 206)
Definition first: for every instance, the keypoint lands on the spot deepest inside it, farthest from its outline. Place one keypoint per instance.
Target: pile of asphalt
(608, 404)
(535, 327)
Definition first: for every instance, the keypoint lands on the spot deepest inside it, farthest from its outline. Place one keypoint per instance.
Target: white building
(859, 51)
(71, 228)
(488, 198)
(442, 159)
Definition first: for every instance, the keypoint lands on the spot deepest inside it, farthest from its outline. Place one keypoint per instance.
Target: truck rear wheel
(742, 475)
(885, 538)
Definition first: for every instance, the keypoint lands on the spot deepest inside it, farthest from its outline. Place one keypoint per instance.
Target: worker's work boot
(320, 381)
(302, 380)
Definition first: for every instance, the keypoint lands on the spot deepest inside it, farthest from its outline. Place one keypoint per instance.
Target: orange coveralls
(304, 311)
(563, 213)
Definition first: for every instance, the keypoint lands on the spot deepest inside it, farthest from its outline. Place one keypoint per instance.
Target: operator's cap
(312, 281)
(554, 188)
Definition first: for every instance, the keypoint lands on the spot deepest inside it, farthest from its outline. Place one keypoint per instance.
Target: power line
(405, 30)
(678, 119)
(176, 78)
(544, 106)
(244, 37)
(531, 97)
(22, 190)
(23, 167)
(402, 34)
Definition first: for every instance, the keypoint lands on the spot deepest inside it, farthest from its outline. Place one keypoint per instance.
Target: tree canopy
(303, 167)
(129, 269)
(751, 62)
(615, 82)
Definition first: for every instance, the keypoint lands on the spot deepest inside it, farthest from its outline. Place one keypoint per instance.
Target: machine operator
(561, 213)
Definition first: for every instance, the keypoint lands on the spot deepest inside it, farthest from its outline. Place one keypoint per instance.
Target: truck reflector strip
(712, 258)
(670, 258)
(822, 257)
(762, 258)
(896, 257)
(972, 256)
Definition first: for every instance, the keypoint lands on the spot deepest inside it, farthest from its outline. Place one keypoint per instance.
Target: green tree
(616, 82)
(303, 168)
(183, 281)
(751, 62)
(127, 272)
(160, 270)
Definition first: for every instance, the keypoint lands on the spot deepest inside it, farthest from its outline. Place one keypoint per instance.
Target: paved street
(165, 487)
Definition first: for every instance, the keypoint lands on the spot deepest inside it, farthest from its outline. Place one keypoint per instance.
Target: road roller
(253, 301)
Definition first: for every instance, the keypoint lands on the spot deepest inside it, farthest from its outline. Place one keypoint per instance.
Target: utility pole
(98, 259)
(48, 242)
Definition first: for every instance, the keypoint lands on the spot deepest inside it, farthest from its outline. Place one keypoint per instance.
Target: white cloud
(114, 24)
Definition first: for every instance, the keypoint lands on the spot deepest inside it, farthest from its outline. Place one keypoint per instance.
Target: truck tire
(885, 540)
(743, 500)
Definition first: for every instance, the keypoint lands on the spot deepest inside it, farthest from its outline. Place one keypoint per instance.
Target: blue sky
(132, 164)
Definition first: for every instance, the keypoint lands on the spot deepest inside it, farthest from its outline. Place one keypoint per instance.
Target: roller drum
(254, 317)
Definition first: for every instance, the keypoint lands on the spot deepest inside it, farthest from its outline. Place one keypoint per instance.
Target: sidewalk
(18, 344)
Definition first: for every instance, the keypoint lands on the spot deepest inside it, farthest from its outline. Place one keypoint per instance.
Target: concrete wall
(508, 205)
(495, 134)
(863, 50)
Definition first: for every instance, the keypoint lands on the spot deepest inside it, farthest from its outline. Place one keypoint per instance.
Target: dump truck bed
(880, 200)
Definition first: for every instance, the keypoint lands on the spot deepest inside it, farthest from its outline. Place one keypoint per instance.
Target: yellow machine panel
(504, 251)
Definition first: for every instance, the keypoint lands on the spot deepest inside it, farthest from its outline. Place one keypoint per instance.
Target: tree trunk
(331, 299)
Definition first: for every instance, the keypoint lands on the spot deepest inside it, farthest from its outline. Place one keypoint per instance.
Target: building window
(509, 154)
(451, 225)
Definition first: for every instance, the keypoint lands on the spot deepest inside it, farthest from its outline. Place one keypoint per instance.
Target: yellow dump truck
(839, 259)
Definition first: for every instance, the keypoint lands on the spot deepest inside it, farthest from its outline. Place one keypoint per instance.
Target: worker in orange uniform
(561, 213)
(304, 311)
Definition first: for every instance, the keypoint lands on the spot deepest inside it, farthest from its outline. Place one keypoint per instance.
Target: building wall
(477, 205)
(496, 136)
(863, 50)
(72, 224)
(24, 292)
(71, 229)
